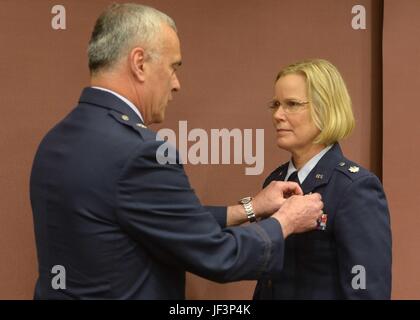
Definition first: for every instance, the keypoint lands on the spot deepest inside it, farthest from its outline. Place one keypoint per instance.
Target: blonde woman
(349, 255)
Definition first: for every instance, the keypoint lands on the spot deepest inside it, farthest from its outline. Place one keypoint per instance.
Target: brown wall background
(401, 135)
(231, 53)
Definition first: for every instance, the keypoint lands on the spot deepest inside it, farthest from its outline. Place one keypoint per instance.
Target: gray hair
(120, 28)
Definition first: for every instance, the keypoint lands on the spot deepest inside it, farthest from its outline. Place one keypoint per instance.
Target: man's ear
(137, 60)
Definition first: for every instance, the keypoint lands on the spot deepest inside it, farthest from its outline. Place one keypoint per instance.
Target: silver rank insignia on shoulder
(342, 164)
(354, 169)
(322, 222)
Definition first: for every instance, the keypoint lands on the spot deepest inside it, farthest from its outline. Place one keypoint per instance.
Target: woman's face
(292, 120)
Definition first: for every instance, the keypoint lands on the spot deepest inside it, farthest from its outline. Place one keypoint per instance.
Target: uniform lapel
(321, 173)
(277, 175)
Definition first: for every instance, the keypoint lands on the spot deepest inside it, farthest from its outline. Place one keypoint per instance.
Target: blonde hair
(331, 108)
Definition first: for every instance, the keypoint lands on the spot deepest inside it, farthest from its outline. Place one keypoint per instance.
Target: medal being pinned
(322, 222)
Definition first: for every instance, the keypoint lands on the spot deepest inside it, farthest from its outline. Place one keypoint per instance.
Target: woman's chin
(283, 144)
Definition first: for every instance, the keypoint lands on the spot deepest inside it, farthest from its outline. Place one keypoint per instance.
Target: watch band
(249, 210)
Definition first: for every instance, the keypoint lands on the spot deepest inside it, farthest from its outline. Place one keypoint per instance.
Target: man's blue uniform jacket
(124, 226)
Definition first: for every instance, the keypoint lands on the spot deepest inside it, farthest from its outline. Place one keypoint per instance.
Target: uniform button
(125, 117)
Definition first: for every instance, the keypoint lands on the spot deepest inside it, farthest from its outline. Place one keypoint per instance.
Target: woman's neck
(301, 156)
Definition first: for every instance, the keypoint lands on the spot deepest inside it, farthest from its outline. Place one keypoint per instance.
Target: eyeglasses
(289, 106)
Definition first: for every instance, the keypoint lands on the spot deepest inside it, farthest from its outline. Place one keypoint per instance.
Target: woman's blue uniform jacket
(351, 258)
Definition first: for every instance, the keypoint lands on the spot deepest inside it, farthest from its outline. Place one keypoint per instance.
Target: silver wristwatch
(249, 210)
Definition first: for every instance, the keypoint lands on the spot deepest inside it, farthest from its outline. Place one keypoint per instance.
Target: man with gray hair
(120, 224)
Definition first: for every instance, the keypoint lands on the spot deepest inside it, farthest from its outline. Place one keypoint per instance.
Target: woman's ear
(137, 60)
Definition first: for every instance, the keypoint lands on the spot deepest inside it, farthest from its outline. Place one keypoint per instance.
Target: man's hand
(272, 197)
(299, 213)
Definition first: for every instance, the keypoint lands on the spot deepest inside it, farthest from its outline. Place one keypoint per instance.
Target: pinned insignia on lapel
(319, 176)
(354, 169)
(125, 117)
(322, 222)
(342, 164)
(141, 125)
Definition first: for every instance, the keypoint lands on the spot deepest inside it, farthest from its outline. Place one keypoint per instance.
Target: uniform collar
(307, 168)
(319, 175)
(128, 102)
(108, 100)
(323, 170)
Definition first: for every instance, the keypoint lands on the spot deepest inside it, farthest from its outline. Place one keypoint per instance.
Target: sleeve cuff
(219, 213)
(271, 233)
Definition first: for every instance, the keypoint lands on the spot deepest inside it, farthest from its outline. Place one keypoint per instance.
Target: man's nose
(176, 85)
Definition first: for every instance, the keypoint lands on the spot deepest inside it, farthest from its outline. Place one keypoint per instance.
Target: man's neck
(114, 85)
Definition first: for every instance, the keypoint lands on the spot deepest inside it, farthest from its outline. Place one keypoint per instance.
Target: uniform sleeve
(363, 238)
(158, 208)
(219, 213)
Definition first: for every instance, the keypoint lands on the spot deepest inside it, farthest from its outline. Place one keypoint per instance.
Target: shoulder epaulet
(127, 121)
(351, 169)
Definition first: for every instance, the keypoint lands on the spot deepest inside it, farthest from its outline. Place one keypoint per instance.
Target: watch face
(246, 200)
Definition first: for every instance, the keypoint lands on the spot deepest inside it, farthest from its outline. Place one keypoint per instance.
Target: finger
(314, 196)
(287, 195)
(293, 188)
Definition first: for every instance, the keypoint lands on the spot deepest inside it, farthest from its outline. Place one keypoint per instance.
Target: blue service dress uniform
(125, 226)
(351, 258)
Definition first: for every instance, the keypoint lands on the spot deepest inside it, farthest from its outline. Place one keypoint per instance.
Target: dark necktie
(294, 177)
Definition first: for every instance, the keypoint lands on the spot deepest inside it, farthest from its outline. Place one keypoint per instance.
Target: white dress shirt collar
(307, 168)
(130, 104)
